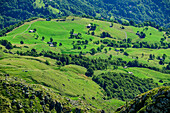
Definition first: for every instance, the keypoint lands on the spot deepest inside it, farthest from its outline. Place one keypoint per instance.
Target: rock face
(154, 101)
(16, 97)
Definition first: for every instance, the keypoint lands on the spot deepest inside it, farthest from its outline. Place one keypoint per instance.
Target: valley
(82, 58)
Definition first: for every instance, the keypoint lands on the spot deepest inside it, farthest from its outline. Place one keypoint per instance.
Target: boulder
(52, 105)
(26, 94)
(78, 110)
(32, 97)
(46, 99)
(31, 104)
(102, 111)
(13, 102)
(93, 97)
(19, 105)
(42, 102)
(58, 107)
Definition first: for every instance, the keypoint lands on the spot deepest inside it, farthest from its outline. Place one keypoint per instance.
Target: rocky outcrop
(154, 101)
(18, 96)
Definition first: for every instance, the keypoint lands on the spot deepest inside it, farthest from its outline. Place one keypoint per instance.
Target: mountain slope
(137, 10)
(156, 100)
(18, 96)
(68, 57)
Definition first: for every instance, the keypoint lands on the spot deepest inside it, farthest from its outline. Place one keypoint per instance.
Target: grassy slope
(150, 101)
(59, 31)
(69, 80)
(54, 76)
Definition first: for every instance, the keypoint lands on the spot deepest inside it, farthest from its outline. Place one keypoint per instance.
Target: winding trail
(125, 34)
(22, 32)
(28, 27)
(122, 31)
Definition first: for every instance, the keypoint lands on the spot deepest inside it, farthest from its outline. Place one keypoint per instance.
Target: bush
(89, 72)
(21, 42)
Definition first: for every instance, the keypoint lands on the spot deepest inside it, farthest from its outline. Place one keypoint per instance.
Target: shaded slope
(137, 10)
(156, 100)
(18, 96)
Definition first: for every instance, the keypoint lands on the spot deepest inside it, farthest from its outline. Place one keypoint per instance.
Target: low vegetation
(93, 61)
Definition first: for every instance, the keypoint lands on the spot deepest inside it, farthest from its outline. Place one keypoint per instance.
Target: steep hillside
(101, 63)
(137, 10)
(18, 96)
(66, 81)
(156, 100)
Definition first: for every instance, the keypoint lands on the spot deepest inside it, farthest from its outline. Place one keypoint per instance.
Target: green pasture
(69, 81)
(60, 32)
(147, 73)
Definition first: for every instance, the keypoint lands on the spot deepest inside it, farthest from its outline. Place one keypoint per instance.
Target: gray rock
(32, 97)
(19, 106)
(42, 102)
(78, 110)
(58, 107)
(31, 104)
(14, 102)
(52, 105)
(46, 99)
(132, 110)
(26, 94)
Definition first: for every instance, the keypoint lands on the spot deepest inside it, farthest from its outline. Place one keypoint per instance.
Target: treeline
(94, 64)
(131, 23)
(138, 11)
(123, 86)
(11, 27)
(135, 63)
(13, 11)
(64, 59)
(7, 44)
(127, 43)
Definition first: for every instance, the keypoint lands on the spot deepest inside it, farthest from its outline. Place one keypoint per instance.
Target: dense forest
(93, 55)
(12, 11)
(123, 86)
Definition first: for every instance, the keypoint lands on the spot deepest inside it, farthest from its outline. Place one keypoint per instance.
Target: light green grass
(59, 31)
(39, 3)
(147, 73)
(69, 81)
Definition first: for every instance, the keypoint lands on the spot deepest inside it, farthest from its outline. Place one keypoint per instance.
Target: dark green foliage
(19, 97)
(123, 86)
(21, 42)
(168, 67)
(43, 38)
(92, 33)
(125, 53)
(60, 44)
(75, 35)
(47, 62)
(64, 59)
(11, 27)
(141, 34)
(136, 11)
(51, 39)
(105, 34)
(7, 44)
(14, 11)
(89, 72)
(161, 62)
(93, 51)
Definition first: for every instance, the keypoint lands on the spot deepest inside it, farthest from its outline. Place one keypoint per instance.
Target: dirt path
(122, 31)
(125, 34)
(23, 31)
(27, 28)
